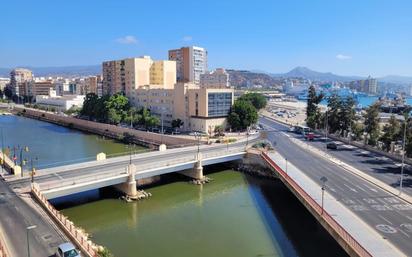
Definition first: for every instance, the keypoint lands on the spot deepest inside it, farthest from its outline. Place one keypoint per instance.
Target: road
(378, 166)
(119, 164)
(16, 215)
(390, 216)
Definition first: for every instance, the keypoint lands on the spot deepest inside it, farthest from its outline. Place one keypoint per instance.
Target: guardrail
(343, 234)
(87, 247)
(139, 168)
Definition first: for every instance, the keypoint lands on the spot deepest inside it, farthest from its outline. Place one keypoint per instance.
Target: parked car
(332, 146)
(67, 250)
(310, 136)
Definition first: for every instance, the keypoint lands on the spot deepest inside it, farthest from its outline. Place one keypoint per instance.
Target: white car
(67, 250)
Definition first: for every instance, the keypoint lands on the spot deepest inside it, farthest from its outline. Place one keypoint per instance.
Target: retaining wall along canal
(112, 131)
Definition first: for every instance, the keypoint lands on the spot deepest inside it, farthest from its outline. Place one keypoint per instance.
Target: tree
(89, 105)
(391, 133)
(256, 99)
(177, 123)
(113, 116)
(242, 115)
(1, 94)
(312, 109)
(357, 130)
(219, 129)
(372, 123)
(8, 92)
(341, 113)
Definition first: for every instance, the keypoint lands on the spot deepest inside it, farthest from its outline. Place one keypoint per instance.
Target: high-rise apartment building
(123, 76)
(369, 85)
(152, 84)
(191, 62)
(217, 78)
(17, 77)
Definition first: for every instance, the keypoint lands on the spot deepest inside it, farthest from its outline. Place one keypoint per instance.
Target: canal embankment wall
(75, 234)
(108, 130)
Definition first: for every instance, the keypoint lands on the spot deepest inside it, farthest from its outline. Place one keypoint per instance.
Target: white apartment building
(191, 62)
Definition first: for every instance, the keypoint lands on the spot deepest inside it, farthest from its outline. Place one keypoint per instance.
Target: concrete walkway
(364, 234)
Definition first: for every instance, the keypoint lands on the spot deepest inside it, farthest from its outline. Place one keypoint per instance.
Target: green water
(231, 216)
(234, 215)
(54, 145)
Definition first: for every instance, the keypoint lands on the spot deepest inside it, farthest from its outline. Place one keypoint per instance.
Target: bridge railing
(80, 179)
(345, 235)
(3, 250)
(80, 239)
(139, 168)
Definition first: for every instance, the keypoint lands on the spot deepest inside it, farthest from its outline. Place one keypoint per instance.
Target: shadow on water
(293, 227)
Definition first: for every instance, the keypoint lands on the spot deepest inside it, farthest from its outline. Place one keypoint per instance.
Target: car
(310, 136)
(67, 250)
(332, 146)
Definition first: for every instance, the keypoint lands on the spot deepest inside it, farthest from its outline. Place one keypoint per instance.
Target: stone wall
(112, 131)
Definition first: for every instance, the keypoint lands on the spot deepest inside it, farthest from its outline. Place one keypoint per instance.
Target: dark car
(332, 146)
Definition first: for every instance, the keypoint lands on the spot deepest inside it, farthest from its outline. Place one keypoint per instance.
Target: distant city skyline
(347, 38)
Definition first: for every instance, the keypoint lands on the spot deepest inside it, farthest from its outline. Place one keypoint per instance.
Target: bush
(105, 252)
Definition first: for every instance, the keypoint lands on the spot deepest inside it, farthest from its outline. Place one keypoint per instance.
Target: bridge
(123, 172)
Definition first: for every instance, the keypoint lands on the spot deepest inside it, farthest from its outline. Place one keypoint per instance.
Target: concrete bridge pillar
(197, 171)
(129, 187)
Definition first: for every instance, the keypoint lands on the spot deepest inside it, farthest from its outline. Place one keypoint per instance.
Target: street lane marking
(386, 229)
(400, 230)
(402, 207)
(407, 227)
(371, 188)
(409, 218)
(379, 207)
(385, 219)
(60, 177)
(358, 207)
(361, 188)
(370, 201)
(352, 189)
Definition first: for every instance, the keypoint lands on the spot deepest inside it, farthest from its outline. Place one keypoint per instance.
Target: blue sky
(348, 37)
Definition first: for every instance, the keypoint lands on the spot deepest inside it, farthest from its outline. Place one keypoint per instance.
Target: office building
(369, 85)
(191, 62)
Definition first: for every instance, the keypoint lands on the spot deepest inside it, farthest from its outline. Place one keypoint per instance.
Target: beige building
(128, 74)
(152, 84)
(191, 62)
(92, 84)
(216, 78)
(17, 77)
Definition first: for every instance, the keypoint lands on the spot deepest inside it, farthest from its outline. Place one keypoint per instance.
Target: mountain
(244, 78)
(396, 79)
(64, 71)
(306, 73)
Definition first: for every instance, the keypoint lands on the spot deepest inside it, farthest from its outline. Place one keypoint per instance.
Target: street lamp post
(33, 169)
(28, 241)
(25, 149)
(247, 137)
(324, 180)
(286, 160)
(326, 125)
(2, 149)
(403, 158)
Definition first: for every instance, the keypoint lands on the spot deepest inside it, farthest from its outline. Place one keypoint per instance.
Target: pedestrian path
(358, 229)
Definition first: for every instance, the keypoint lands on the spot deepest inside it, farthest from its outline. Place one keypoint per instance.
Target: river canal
(234, 215)
(54, 145)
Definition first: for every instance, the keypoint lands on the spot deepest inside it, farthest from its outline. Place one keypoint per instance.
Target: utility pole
(403, 157)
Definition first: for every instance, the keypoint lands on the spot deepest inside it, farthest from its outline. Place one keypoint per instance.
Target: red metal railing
(349, 240)
(81, 240)
(3, 251)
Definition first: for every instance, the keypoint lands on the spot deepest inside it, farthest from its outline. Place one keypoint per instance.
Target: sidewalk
(358, 229)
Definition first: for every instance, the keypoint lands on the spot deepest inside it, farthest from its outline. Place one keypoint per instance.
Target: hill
(64, 71)
(243, 78)
(306, 73)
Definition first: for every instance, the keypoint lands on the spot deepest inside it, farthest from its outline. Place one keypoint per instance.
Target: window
(219, 104)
